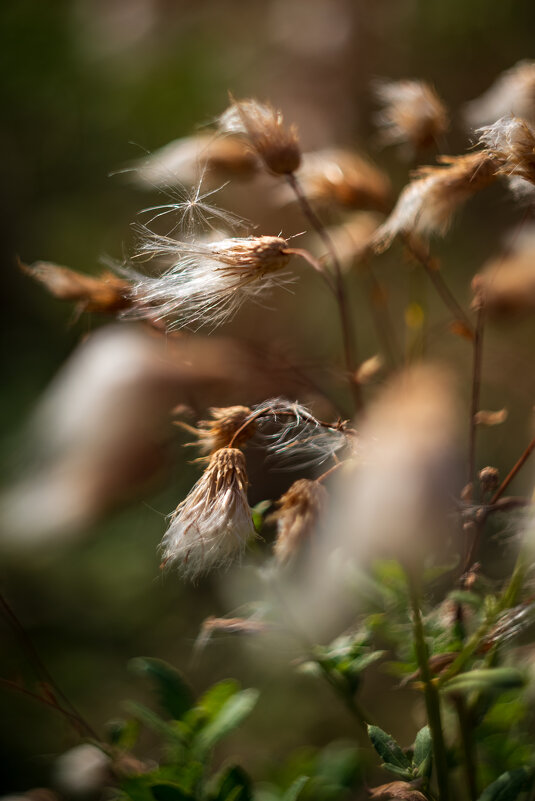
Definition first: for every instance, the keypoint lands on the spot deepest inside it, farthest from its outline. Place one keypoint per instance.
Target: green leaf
(122, 733)
(174, 693)
(487, 680)
(388, 749)
(154, 721)
(508, 786)
(293, 791)
(234, 785)
(169, 792)
(258, 512)
(404, 773)
(423, 752)
(229, 717)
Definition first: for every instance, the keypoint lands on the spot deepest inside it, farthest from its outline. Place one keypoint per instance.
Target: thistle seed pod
(297, 517)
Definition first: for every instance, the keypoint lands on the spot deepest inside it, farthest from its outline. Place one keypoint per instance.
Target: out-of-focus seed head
(513, 92)
(352, 239)
(227, 424)
(275, 143)
(213, 524)
(506, 286)
(489, 478)
(427, 204)
(297, 517)
(510, 142)
(105, 294)
(412, 114)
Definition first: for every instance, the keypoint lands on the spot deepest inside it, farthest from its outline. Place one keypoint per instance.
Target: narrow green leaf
(122, 733)
(234, 785)
(423, 752)
(174, 693)
(404, 773)
(508, 786)
(153, 721)
(489, 680)
(387, 748)
(258, 512)
(230, 716)
(293, 791)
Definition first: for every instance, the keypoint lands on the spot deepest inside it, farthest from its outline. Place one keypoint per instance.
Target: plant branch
(476, 391)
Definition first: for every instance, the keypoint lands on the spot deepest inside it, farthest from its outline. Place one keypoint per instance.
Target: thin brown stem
(72, 718)
(476, 390)
(382, 319)
(348, 333)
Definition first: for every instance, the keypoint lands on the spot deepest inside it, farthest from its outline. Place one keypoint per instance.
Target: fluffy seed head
(276, 144)
(510, 141)
(207, 282)
(506, 286)
(412, 113)
(512, 93)
(223, 427)
(427, 204)
(106, 294)
(212, 525)
(299, 511)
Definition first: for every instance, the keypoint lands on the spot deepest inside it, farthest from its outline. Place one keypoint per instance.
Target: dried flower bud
(396, 791)
(369, 369)
(106, 294)
(207, 281)
(345, 178)
(223, 428)
(488, 418)
(412, 113)
(511, 143)
(299, 511)
(506, 286)
(513, 92)
(277, 145)
(212, 525)
(489, 478)
(186, 160)
(427, 204)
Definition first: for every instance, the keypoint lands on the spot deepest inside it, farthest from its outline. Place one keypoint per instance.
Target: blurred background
(88, 87)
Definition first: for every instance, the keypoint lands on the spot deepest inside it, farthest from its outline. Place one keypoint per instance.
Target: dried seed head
(428, 203)
(212, 525)
(185, 161)
(412, 113)
(106, 294)
(207, 282)
(510, 141)
(506, 286)
(512, 93)
(345, 178)
(228, 424)
(297, 517)
(277, 145)
(489, 478)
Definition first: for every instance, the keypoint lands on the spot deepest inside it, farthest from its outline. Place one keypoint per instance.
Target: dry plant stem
(437, 280)
(382, 320)
(476, 390)
(348, 334)
(42, 673)
(432, 700)
(465, 732)
(73, 719)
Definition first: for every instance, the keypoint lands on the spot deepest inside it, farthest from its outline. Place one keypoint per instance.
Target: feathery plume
(297, 517)
(213, 524)
(276, 144)
(513, 92)
(510, 141)
(207, 282)
(342, 177)
(427, 204)
(184, 161)
(229, 423)
(412, 113)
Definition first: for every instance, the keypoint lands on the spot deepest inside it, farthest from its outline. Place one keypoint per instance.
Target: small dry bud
(228, 424)
(106, 294)
(427, 204)
(213, 524)
(369, 369)
(297, 517)
(489, 478)
(412, 114)
(396, 791)
(275, 144)
(487, 418)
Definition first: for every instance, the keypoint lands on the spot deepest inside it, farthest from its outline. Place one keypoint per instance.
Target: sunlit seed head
(297, 517)
(412, 114)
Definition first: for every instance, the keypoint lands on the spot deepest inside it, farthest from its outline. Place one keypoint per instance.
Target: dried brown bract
(344, 178)
(212, 525)
(297, 517)
(488, 418)
(510, 141)
(185, 161)
(396, 791)
(427, 204)
(227, 424)
(104, 294)
(275, 143)
(506, 286)
(513, 92)
(412, 114)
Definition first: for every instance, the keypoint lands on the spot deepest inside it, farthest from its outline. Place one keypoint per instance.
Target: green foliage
(508, 786)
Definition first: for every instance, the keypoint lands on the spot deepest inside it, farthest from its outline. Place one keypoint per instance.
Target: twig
(465, 732)
(73, 719)
(348, 334)
(476, 390)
